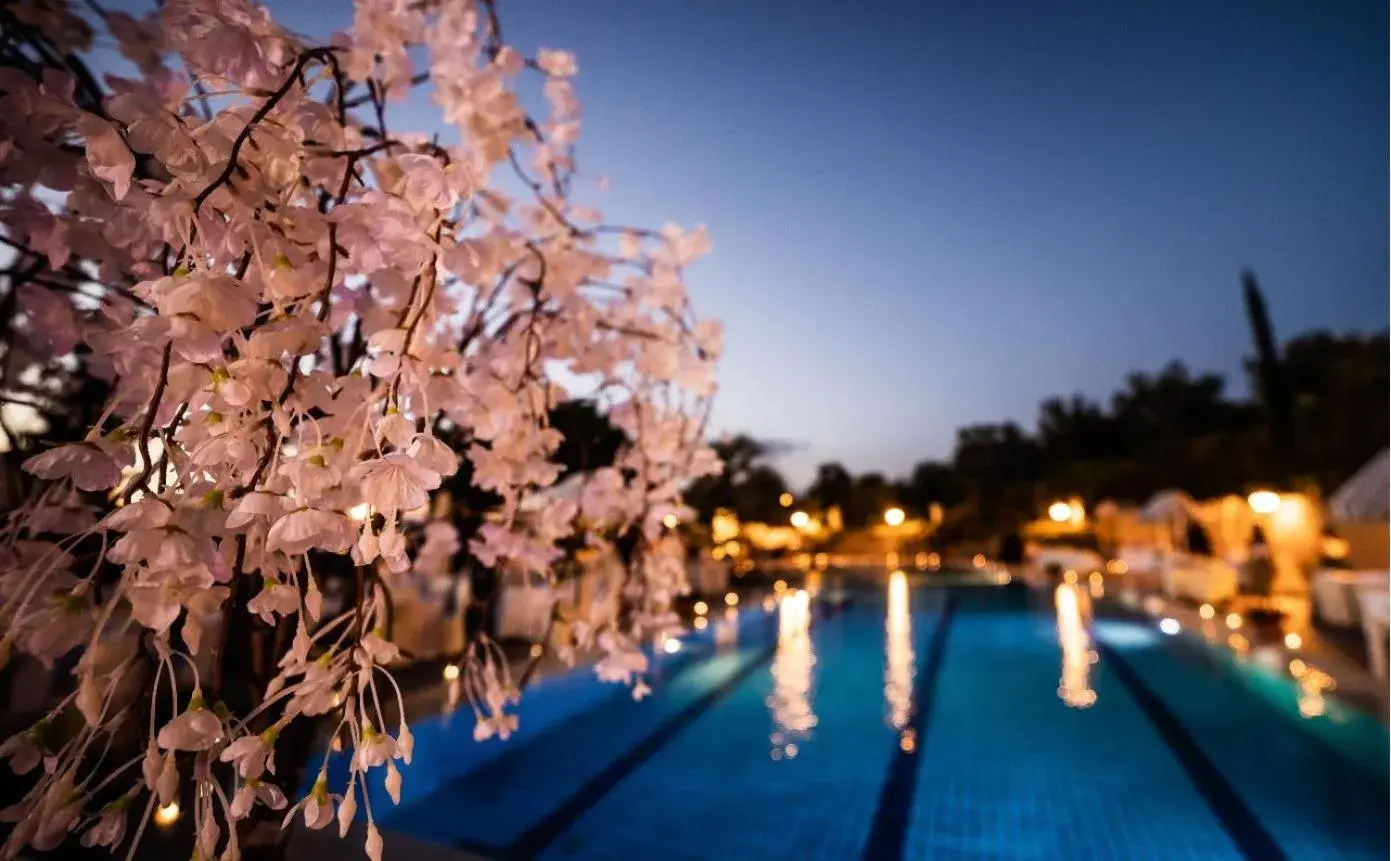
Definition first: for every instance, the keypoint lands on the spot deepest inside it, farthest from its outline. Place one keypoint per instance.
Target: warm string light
(1313, 683)
(792, 671)
(167, 814)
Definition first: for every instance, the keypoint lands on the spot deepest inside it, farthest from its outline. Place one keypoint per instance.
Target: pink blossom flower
(305, 528)
(252, 791)
(196, 728)
(157, 598)
(312, 476)
(57, 629)
(396, 483)
(434, 455)
(374, 747)
(253, 755)
(395, 429)
(146, 513)
(378, 650)
(257, 504)
(218, 301)
(560, 64)
(110, 828)
(347, 809)
(393, 782)
(107, 154)
(52, 317)
(318, 810)
(274, 599)
(425, 184)
(152, 765)
(85, 464)
(373, 845)
(167, 784)
(23, 749)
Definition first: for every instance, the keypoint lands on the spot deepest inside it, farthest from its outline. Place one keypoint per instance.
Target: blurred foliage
(1170, 429)
(748, 486)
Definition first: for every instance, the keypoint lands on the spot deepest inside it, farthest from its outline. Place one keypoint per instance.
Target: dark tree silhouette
(832, 487)
(1274, 395)
(748, 485)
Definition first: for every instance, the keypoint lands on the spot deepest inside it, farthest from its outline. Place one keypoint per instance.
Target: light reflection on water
(727, 628)
(898, 670)
(1076, 643)
(792, 670)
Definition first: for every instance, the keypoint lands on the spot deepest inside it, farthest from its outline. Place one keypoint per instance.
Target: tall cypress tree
(1274, 394)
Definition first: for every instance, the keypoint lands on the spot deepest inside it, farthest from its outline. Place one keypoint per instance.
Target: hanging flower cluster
(308, 321)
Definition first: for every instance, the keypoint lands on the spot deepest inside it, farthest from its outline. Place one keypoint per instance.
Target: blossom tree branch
(324, 322)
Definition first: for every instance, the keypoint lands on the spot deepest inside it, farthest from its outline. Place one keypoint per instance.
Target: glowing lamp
(1264, 501)
(167, 814)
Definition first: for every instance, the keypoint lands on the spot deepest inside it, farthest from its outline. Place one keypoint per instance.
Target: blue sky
(930, 214)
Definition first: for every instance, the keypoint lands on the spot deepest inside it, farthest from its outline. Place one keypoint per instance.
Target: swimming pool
(917, 722)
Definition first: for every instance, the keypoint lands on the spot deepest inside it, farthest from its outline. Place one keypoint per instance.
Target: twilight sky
(928, 214)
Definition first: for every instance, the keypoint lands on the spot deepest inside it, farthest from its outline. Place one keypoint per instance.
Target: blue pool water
(929, 723)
